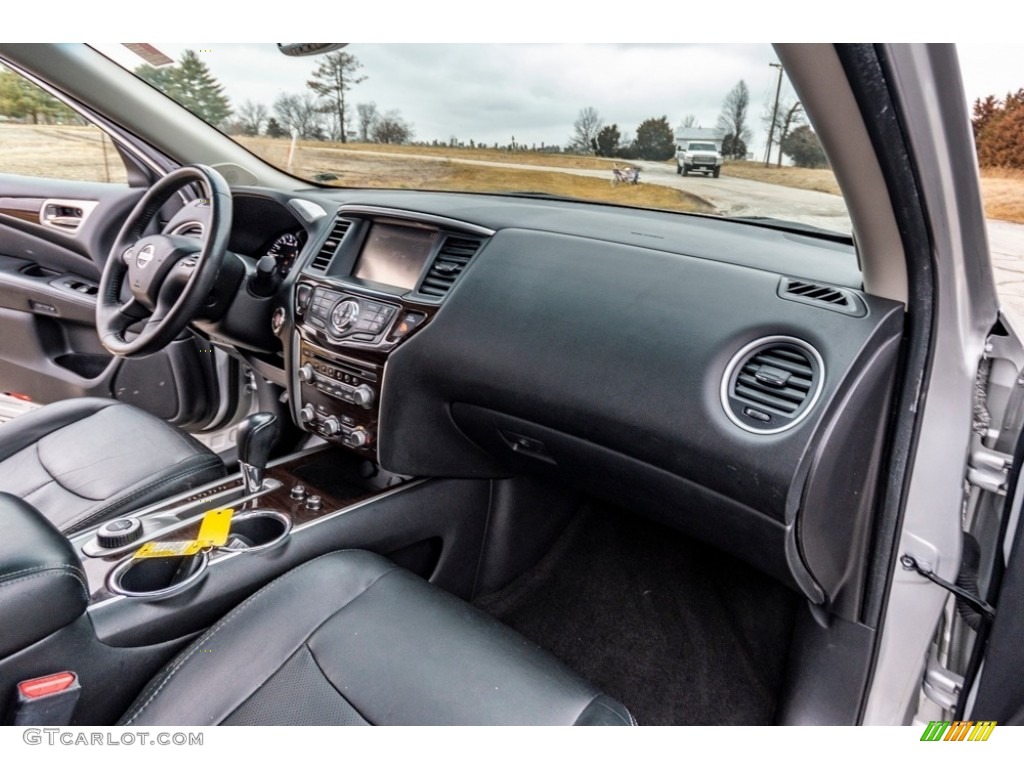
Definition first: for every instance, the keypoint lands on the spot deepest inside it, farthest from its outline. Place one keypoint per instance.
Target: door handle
(65, 215)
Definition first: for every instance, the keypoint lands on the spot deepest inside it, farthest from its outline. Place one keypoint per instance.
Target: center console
(378, 278)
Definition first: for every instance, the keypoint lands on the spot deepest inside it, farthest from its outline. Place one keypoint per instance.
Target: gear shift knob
(257, 435)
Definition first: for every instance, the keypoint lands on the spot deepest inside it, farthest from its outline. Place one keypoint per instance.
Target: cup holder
(256, 530)
(156, 578)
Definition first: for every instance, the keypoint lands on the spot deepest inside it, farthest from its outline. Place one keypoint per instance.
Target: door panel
(55, 236)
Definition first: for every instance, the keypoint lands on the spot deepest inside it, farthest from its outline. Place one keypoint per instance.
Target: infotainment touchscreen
(394, 255)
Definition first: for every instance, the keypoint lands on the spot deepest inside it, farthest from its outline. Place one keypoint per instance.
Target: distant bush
(999, 131)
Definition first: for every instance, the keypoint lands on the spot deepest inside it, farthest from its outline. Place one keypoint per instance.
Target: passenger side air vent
(449, 263)
(827, 296)
(322, 260)
(772, 384)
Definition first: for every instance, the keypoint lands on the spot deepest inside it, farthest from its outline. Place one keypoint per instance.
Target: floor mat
(677, 631)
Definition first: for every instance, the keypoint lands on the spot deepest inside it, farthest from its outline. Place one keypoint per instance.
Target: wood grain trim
(24, 208)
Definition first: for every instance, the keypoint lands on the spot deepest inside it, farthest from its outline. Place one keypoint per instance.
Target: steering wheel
(169, 277)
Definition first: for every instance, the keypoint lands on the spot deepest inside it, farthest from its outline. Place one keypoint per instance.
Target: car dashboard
(727, 379)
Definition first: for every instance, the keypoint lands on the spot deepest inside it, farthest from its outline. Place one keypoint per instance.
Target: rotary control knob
(357, 438)
(363, 396)
(331, 426)
(306, 373)
(314, 503)
(308, 412)
(117, 533)
(298, 493)
(344, 315)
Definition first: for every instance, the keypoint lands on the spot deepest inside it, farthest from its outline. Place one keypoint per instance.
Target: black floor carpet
(675, 630)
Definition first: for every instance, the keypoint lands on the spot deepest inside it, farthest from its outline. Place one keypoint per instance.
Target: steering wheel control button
(118, 533)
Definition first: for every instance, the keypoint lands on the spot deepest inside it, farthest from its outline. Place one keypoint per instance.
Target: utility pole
(775, 113)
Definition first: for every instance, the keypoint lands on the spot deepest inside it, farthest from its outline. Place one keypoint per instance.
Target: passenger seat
(352, 639)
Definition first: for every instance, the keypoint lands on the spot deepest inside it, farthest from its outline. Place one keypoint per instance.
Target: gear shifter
(256, 437)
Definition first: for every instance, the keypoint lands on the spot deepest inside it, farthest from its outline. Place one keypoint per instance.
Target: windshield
(518, 119)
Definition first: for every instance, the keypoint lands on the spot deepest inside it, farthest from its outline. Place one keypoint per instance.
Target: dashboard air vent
(772, 384)
(828, 296)
(449, 263)
(323, 257)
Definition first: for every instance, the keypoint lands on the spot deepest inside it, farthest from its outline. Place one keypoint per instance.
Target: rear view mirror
(308, 49)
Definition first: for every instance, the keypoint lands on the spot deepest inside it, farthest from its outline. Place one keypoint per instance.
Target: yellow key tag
(214, 530)
(168, 549)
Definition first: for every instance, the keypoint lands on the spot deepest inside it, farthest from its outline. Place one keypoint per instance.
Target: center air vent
(449, 263)
(772, 384)
(323, 257)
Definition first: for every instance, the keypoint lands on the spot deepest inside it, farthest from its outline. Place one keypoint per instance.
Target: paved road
(1006, 244)
(744, 197)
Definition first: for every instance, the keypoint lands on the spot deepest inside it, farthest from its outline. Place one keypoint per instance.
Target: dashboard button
(407, 323)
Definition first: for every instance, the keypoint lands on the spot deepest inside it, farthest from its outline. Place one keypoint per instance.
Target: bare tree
(588, 124)
(300, 113)
(733, 119)
(793, 117)
(690, 121)
(367, 118)
(391, 128)
(788, 116)
(336, 75)
(252, 117)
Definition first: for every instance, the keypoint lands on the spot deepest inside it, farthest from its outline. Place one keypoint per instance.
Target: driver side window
(42, 137)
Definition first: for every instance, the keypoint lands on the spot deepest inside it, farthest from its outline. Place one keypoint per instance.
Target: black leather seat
(352, 639)
(84, 460)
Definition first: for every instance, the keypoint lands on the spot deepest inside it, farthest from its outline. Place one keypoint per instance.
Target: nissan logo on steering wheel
(144, 256)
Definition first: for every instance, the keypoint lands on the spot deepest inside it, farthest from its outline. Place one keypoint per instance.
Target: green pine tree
(190, 84)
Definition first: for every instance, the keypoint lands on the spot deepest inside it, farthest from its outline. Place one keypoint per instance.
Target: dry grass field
(84, 153)
(1002, 191)
(374, 165)
(527, 157)
(74, 152)
(817, 179)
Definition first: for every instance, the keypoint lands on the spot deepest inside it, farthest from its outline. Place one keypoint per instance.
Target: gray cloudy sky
(490, 93)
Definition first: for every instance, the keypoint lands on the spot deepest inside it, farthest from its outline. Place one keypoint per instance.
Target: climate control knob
(308, 412)
(331, 426)
(357, 438)
(306, 373)
(363, 396)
